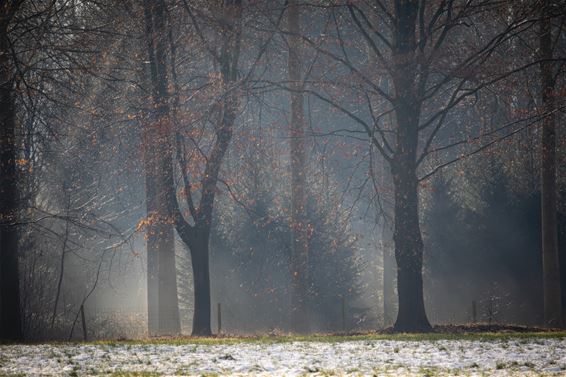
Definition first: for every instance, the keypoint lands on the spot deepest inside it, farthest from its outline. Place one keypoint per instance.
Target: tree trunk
(169, 322)
(299, 244)
(10, 314)
(151, 235)
(163, 306)
(411, 316)
(201, 283)
(550, 261)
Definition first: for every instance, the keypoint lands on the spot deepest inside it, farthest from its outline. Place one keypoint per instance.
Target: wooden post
(219, 318)
(343, 314)
(474, 312)
(85, 337)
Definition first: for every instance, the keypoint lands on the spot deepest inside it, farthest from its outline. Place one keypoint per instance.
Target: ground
(506, 354)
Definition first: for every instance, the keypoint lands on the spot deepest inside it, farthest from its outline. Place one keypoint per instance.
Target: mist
(173, 168)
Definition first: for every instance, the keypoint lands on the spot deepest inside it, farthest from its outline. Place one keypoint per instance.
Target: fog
(271, 167)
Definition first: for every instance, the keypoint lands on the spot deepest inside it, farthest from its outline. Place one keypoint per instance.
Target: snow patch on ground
(363, 357)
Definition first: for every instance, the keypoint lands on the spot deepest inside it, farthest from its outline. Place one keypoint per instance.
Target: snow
(515, 356)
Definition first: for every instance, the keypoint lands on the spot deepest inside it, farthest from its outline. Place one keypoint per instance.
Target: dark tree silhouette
(10, 316)
(550, 255)
(163, 307)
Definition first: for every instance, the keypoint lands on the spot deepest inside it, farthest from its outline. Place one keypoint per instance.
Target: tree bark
(550, 257)
(300, 243)
(411, 316)
(198, 240)
(10, 318)
(163, 307)
(151, 243)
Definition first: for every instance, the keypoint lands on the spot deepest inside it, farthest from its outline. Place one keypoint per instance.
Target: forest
(245, 168)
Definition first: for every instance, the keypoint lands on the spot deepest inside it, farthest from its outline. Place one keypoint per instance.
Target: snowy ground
(529, 356)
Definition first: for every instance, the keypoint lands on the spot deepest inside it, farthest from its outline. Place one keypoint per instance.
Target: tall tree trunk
(198, 246)
(151, 232)
(550, 261)
(10, 313)
(411, 316)
(163, 306)
(299, 244)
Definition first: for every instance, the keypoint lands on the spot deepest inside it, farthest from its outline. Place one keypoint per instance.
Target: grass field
(437, 354)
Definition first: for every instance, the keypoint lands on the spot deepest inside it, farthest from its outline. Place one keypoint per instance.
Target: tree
(413, 43)
(162, 274)
(550, 256)
(196, 234)
(40, 79)
(407, 233)
(10, 318)
(426, 83)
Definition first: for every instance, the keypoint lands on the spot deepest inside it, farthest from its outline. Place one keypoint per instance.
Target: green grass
(325, 338)
(223, 340)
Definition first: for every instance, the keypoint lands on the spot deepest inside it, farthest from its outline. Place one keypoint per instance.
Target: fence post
(474, 312)
(219, 319)
(343, 314)
(85, 337)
